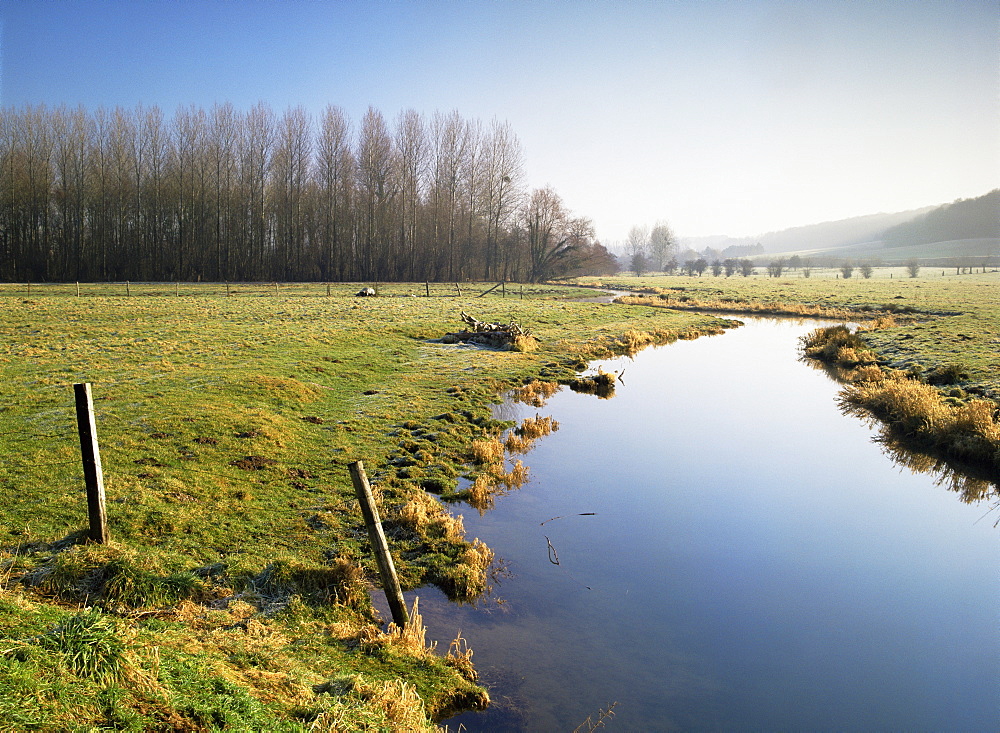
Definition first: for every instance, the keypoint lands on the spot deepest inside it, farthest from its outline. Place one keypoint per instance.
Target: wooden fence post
(92, 472)
(128, 290)
(427, 287)
(386, 568)
(227, 290)
(78, 290)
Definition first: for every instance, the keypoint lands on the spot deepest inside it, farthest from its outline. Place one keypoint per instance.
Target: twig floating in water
(553, 555)
(584, 514)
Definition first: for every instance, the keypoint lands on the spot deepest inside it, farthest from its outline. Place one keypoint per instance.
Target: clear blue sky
(720, 117)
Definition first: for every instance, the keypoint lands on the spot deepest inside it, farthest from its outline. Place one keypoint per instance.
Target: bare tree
(551, 240)
(662, 245)
(636, 244)
(503, 189)
(335, 179)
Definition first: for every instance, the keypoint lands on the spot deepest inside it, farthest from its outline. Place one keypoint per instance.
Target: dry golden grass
(377, 706)
(867, 373)
(916, 410)
(425, 515)
(534, 393)
(537, 427)
(459, 656)
(487, 451)
(412, 638)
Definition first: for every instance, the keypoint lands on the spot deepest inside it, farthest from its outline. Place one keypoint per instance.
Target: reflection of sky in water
(756, 562)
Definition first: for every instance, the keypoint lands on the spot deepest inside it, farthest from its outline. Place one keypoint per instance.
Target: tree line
(227, 195)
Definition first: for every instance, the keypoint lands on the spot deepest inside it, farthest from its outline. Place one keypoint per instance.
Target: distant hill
(977, 218)
(965, 228)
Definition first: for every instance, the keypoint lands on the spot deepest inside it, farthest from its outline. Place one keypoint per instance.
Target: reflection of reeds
(534, 393)
(523, 437)
(493, 483)
(970, 488)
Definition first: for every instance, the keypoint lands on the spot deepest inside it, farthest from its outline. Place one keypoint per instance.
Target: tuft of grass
(89, 645)
(601, 384)
(837, 345)
(489, 450)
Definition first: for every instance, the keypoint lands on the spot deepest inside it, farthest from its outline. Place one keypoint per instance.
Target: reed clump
(489, 450)
(425, 516)
(601, 384)
(523, 437)
(837, 345)
(968, 431)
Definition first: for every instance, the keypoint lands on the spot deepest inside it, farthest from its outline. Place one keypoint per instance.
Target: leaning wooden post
(128, 290)
(93, 474)
(386, 568)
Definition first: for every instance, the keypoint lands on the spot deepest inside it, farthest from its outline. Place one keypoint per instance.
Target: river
(717, 547)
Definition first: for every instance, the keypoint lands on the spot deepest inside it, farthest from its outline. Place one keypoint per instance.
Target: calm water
(754, 562)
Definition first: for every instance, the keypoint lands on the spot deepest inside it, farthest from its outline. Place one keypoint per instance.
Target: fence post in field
(386, 568)
(227, 290)
(128, 290)
(177, 289)
(92, 472)
(503, 289)
(328, 290)
(427, 287)
(459, 289)
(78, 290)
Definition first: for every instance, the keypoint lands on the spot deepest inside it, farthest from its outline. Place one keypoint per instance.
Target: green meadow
(235, 589)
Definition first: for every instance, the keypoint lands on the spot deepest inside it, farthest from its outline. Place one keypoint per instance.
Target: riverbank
(925, 361)
(234, 591)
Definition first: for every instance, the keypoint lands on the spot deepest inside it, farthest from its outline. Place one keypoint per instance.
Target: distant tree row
(127, 194)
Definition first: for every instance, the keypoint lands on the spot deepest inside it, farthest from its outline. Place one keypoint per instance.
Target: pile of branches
(494, 335)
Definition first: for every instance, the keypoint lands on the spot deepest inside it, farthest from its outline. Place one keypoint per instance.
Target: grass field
(234, 591)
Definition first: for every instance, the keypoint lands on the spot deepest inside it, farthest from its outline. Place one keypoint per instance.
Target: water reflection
(734, 553)
(972, 484)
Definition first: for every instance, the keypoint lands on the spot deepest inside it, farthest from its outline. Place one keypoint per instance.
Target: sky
(716, 117)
